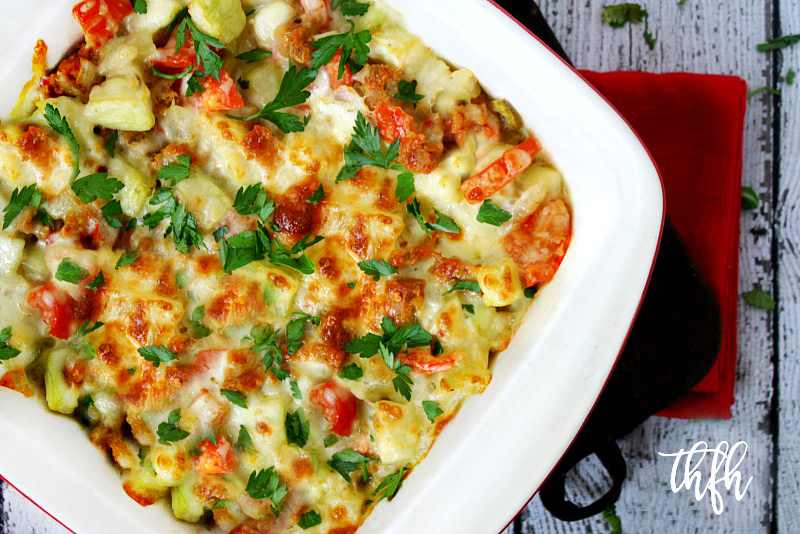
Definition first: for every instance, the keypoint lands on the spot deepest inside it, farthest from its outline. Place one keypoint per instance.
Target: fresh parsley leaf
(365, 148)
(266, 340)
(281, 257)
(183, 74)
(465, 285)
(111, 144)
(531, 291)
(295, 390)
(242, 249)
(297, 428)
(202, 45)
(196, 328)
(7, 352)
(237, 398)
(412, 335)
(749, 198)
(491, 214)
(254, 200)
(309, 519)
(168, 432)
(220, 233)
(351, 285)
(402, 383)
(377, 268)
(157, 354)
(444, 223)
(98, 282)
(80, 336)
(131, 370)
(469, 308)
(405, 186)
(294, 333)
(354, 47)
(414, 210)
(88, 327)
(347, 172)
(790, 76)
(193, 84)
(70, 272)
(366, 346)
(99, 185)
(112, 211)
(20, 199)
(177, 171)
(256, 54)
(127, 258)
(437, 348)
(350, 8)
(139, 6)
(347, 461)
(618, 15)
(351, 372)
(244, 442)
(389, 486)
(222, 503)
(291, 93)
(610, 513)
(650, 40)
(408, 92)
(60, 125)
(432, 410)
(779, 43)
(183, 225)
(318, 195)
(760, 299)
(760, 90)
(266, 484)
(330, 440)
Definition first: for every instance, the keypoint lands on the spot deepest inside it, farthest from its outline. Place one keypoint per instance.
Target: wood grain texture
(712, 36)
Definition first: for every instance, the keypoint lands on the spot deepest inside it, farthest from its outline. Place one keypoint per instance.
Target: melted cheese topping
(178, 426)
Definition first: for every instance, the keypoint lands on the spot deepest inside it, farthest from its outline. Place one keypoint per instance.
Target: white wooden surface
(705, 36)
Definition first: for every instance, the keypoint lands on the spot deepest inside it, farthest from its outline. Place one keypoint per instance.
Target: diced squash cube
(137, 186)
(397, 432)
(223, 19)
(10, 254)
(268, 19)
(61, 397)
(204, 199)
(185, 504)
(121, 103)
(500, 284)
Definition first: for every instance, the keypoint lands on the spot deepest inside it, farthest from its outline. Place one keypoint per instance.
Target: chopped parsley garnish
(254, 200)
(127, 258)
(157, 354)
(354, 47)
(196, 328)
(266, 340)
(111, 144)
(351, 372)
(760, 90)
(365, 150)
(220, 233)
(350, 8)
(98, 282)
(613, 520)
(295, 389)
(650, 40)
(297, 428)
(330, 440)
(432, 410)
(244, 442)
(131, 370)
(309, 519)
(291, 93)
(408, 92)
(318, 195)
(244, 84)
(256, 54)
(377, 268)
(99, 185)
(177, 171)
(178, 76)
(415, 211)
(465, 285)
(7, 351)
(202, 45)
(790, 76)
(60, 125)
(87, 327)
(760, 299)
(242, 249)
(779, 43)
(347, 461)
(112, 211)
(168, 432)
(68, 271)
(618, 15)
(235, 397)
(20, 199)
(531, 291)
(405, 186)
(443, 222)
(351, 285)
(295, 330)
(139, 6)
(390, 485)
(469, 308)
(183, 225)
(85, 347)
(266, 484)
(491, 214)
(749, 198)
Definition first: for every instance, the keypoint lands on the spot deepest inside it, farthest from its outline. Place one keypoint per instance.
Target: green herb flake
(256, 54)
(127, 258)
(7, 352)
(156, 354)
(389, 486)
(444, 224)
(465, 285)
(176, 171)
(432, 410)
(408, 92)
(295, 389)
(650, 40)
(760, 90)
(297, 428)
(244, 442)
(469, 308)
(779, 43)
(254, 200)
(132, 370)
(111, 144)
(70, 272)
(531, 291)
(330, 440)
(350, 8)
(347, 461)
(353, 45)
(351, 372)
(760, 299)
(620, 14)
(266, 484)
(235, 397)
(60, 125)
(613, 520)
(790, 75)
(139, 6)
(99, 185)
(168, 432)
(405, 187)
(309, 519)
(489, 213)
(20, 199)
(377, 268)
(749, 198)
(318, 195)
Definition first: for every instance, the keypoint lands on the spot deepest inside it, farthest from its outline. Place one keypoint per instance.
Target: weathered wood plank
(787, 221)
(20, 516)
(715, 36)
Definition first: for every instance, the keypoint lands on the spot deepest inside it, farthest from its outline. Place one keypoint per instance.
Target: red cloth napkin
(692, 124)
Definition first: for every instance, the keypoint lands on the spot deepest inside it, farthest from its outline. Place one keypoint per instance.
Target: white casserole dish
(503, 444)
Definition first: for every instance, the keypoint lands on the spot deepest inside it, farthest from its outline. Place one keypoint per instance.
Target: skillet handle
(553, 492)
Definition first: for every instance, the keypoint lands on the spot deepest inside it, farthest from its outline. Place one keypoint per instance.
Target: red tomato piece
(394, 123)
(56, 306)
(216, 459)
(422, 361)
(219, 95)
(501, 172)
(332, 68)
(538, 243)
(168, 61)
(100, 19)
(339, 406)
